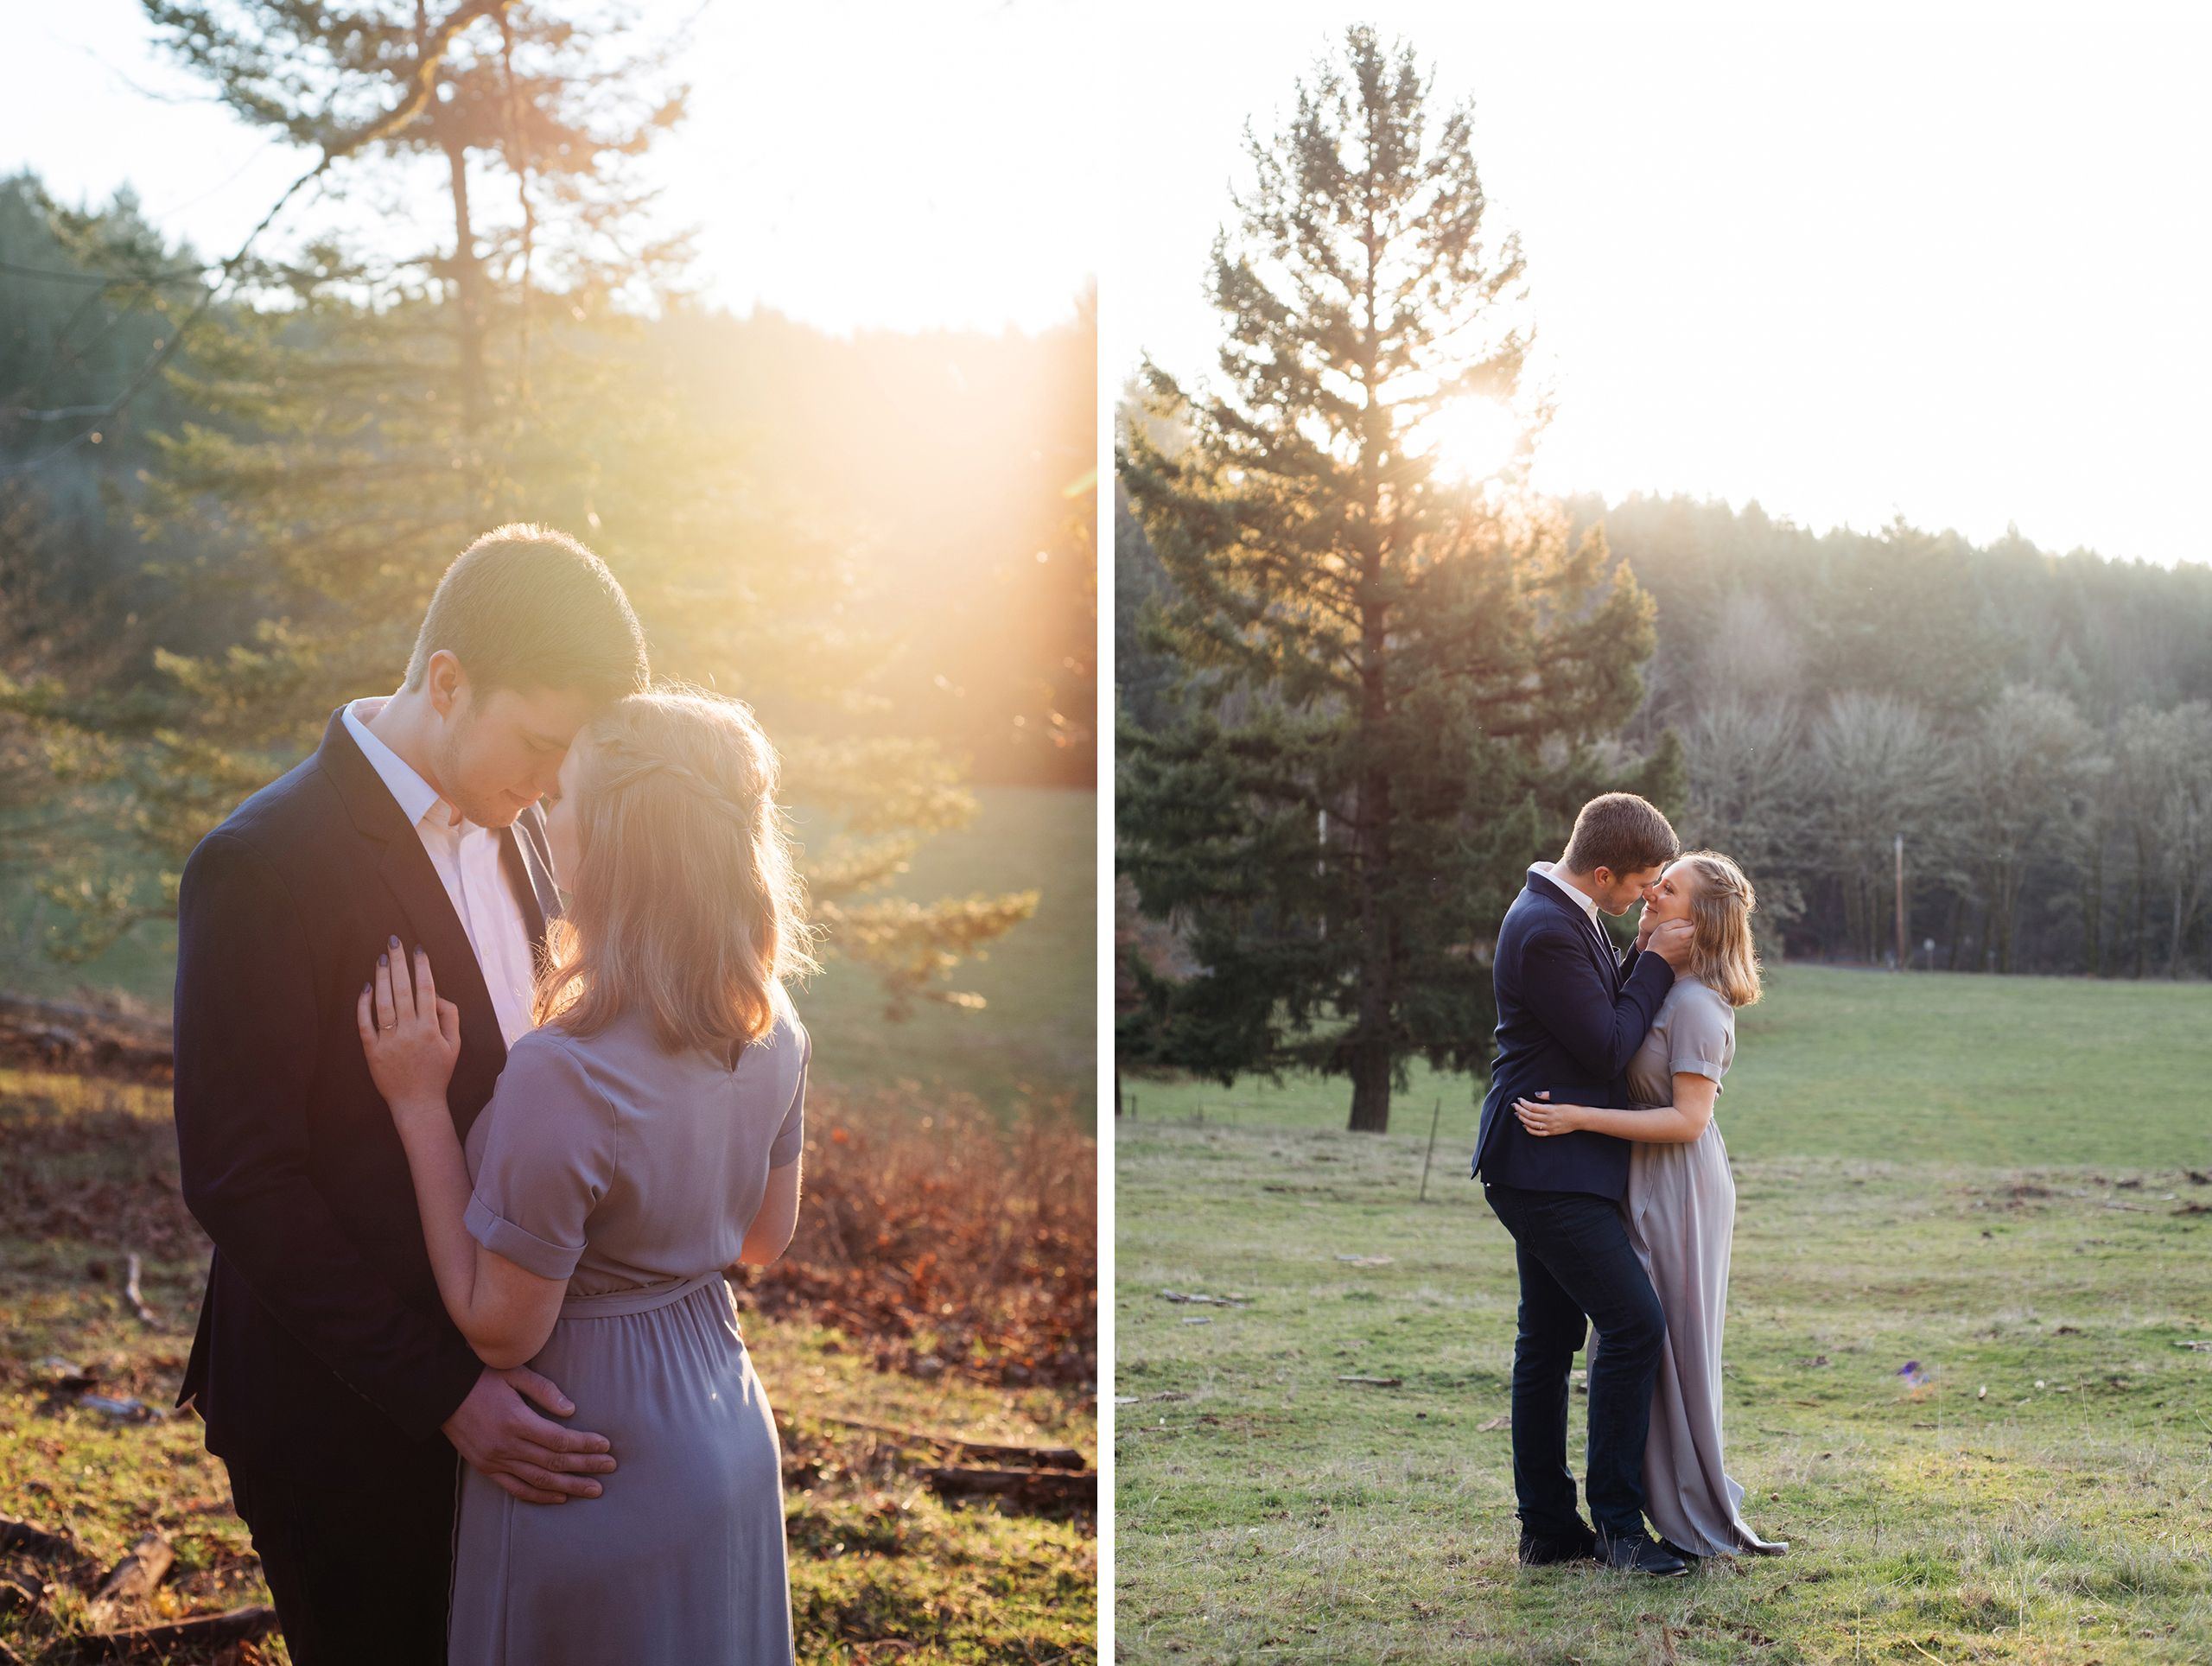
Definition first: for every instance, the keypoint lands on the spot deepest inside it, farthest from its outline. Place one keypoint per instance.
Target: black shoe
(1547, 1553)
(1640, 1555)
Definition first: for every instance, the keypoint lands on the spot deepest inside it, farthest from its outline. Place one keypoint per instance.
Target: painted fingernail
(394, 941)
(384, 960)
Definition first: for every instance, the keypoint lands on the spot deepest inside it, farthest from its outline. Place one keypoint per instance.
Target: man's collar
(414, 796)
(1549, 872)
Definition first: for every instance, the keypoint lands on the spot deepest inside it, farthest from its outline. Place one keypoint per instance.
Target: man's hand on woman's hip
(532, 1458)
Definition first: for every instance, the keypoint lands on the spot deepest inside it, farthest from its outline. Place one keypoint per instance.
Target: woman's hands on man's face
(411, 1034)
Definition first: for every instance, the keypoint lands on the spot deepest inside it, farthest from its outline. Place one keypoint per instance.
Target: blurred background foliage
(228, 485)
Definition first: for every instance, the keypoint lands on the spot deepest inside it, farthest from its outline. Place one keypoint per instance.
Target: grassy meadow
(2007, 1183)
(882, 1569)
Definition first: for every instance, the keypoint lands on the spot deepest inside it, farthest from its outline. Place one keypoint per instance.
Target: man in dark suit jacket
(1571, 1014)
(334, 1386)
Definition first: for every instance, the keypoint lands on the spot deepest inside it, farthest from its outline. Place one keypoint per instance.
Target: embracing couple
(474, 1169)
(1598, 1152)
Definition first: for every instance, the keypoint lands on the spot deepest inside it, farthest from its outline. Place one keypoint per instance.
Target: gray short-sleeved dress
(633, 1173)
(1682, 1217)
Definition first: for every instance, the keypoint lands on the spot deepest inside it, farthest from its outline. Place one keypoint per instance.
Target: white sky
(1940, 260)
(855, 165)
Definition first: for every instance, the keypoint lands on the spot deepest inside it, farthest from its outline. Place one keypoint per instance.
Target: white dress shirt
(467, 858)
(1548, 870)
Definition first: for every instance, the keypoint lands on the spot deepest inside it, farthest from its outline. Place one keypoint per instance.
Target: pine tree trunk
(1370, 1085)
(1371, 1095)
(468, 279)
(1371, 1099)
(1370, 1047)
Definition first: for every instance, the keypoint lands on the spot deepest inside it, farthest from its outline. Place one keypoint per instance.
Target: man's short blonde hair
(1621, 832)
(526, 607)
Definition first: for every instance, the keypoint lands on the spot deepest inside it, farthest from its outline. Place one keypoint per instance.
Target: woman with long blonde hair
(642, 1139)
(1681, 1200)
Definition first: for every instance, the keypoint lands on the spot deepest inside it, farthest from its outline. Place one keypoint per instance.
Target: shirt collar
(415, 796)
(1549, 871)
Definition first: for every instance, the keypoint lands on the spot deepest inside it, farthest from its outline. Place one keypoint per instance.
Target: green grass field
(882, 1569)
(1989, 1177)
(1035, 1040)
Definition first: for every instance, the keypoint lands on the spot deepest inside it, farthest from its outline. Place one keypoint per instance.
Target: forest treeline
(2037, 727)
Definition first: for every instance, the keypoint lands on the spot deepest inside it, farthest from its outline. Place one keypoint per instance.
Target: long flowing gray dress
(633, 1173)
(1682, 1216)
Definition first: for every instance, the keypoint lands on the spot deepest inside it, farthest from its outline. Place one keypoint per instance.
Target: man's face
(1618, 893)
(499, 754)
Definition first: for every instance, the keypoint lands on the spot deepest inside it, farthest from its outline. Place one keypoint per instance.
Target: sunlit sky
(1935, 260)
(857, 166)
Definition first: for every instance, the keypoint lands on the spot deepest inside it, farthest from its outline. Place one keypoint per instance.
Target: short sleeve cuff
(788, 1144)
(1687, 1066)
(528, 1251)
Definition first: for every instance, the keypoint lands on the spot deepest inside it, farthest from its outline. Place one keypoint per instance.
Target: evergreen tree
(1396, 680)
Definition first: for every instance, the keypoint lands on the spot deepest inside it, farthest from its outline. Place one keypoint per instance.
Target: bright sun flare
(1469, 439)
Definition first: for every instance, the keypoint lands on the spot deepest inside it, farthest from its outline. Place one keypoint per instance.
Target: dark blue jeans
(1579, 1272)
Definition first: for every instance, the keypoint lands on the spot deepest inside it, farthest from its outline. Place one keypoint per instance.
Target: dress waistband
(615, 1303)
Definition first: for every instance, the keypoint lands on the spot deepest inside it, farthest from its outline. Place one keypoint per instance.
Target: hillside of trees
(2038, 727)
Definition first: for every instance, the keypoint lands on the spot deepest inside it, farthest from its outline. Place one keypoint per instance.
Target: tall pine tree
(1403, 683)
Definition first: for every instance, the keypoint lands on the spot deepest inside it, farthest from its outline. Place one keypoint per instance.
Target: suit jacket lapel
(1595, 935)
(405, 868)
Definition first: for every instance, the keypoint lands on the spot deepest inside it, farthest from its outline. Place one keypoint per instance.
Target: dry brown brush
(949, 1240)
(934, 1235)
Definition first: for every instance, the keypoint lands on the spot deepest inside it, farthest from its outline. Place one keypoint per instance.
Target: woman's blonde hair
(684, 904)
(1721, 954)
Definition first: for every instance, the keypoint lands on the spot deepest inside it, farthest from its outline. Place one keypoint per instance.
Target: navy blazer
(1569, 1019)
(323, 1349)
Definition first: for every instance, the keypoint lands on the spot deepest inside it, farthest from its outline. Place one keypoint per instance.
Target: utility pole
(1901, 948)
